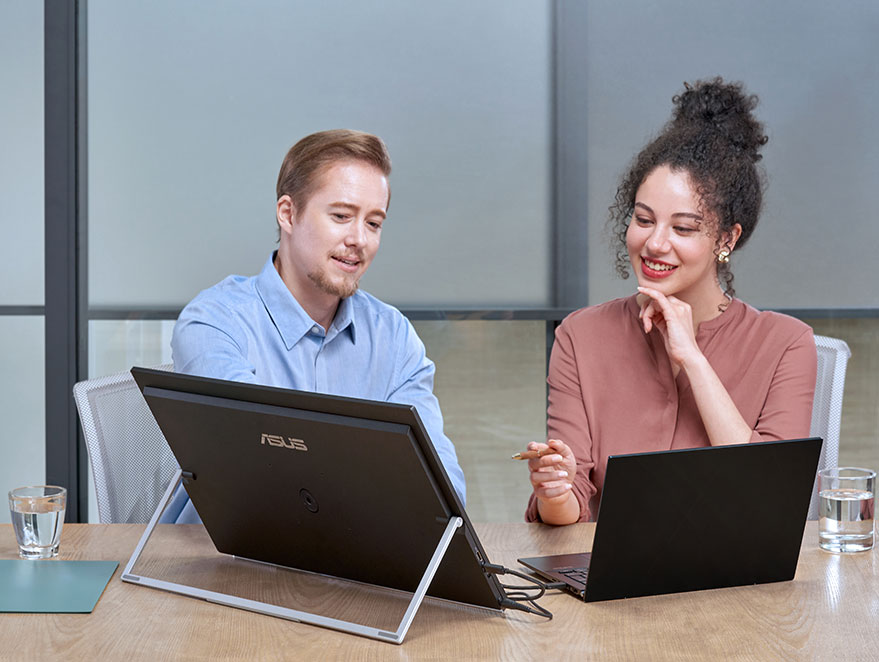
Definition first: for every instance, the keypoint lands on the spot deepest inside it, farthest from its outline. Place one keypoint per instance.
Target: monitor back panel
(322, 492)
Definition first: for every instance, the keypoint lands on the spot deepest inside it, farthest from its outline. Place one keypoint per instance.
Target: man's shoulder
(231, 297)
(382, 319)
(375, 309)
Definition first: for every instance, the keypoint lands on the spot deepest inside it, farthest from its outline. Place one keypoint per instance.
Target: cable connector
(536, 609)
(494, 568)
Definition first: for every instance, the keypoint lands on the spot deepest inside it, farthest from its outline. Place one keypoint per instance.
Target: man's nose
(356, 233)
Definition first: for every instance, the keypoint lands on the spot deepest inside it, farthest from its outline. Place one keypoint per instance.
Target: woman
(682, 363)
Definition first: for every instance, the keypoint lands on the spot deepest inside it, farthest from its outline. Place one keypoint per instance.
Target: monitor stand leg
(160, 508)
(283, 612)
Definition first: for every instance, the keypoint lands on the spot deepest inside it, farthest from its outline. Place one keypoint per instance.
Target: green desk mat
(49, 586)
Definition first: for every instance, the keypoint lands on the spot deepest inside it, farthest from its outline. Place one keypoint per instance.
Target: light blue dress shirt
(253, 330)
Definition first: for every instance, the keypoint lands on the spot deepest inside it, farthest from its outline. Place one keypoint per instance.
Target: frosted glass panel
(490, 381)
(117, 345)
(21, 153)
(813, 64)
(491, 385)
(191, 113)
(22, 405)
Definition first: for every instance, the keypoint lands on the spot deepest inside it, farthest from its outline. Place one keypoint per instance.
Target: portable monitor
(331, 485)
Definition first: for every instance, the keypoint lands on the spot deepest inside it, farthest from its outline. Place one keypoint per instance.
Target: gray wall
(815, 66)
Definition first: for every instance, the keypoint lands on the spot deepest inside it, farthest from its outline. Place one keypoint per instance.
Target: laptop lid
(700, 518)
(338, 486)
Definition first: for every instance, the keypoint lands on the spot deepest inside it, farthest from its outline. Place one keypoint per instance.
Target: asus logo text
(282, 442)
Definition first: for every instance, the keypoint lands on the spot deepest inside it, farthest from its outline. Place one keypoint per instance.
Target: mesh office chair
(833, 356)
(131, 461)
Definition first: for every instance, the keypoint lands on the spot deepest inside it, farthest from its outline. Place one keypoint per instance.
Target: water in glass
(845, 520)
(38, 517)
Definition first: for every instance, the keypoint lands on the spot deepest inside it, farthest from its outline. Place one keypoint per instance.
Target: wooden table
(830, 611)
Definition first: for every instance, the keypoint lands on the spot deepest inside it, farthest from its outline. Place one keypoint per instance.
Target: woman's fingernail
(563, 474)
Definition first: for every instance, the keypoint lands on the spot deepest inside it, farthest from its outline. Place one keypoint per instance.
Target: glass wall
(491, 385)
(22, 404)
(117, 345)
(185, 144)
(22, 375)
(21, 157)
(489, 381)
(192, 111)
(858, 443)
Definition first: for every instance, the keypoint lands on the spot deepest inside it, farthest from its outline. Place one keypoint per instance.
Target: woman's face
(671, 245)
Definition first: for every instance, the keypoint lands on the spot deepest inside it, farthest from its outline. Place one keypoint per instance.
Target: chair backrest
(131, 461)
(833, 356)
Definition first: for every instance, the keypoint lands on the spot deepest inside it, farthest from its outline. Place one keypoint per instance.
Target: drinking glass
(845, 509)
(37, 517)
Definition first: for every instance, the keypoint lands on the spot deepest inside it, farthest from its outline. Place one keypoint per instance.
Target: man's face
(331, 242)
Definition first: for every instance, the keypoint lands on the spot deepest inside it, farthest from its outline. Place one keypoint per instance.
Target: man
(302, 323)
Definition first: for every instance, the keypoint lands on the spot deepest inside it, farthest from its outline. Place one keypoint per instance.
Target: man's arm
(204, 344)
(413, 385)
(207, 342)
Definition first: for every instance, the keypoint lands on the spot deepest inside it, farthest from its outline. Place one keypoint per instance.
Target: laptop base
(269, 609)
(569, 569)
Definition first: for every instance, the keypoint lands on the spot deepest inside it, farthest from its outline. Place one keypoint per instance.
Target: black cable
(536, 609)
(518, 597)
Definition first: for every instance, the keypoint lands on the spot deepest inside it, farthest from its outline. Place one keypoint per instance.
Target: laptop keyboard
(575, 574)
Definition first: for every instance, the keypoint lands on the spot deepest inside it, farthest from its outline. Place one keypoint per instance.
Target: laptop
(692, 519)
(337, 486)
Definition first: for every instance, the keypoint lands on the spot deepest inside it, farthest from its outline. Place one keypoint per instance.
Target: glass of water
(845, 509)
(37, 517)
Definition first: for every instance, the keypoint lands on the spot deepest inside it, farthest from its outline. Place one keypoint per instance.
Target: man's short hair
(310, 157)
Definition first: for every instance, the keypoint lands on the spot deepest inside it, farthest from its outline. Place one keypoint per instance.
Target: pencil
(530, 455)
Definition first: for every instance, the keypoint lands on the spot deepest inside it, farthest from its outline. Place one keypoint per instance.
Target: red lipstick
(657, 274)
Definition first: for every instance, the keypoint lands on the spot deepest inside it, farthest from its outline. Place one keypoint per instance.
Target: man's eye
(340, 217)
(375, 225)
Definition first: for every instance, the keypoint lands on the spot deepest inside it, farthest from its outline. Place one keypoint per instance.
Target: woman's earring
(723, 256)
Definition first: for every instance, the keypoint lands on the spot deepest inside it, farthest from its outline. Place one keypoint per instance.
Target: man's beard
(344, 289)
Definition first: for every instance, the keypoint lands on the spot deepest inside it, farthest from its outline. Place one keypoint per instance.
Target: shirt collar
(289, 317)
(344, 318)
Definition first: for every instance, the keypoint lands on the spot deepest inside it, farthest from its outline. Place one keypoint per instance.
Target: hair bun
(727, 108)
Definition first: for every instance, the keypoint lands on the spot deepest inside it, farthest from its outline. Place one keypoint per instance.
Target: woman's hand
(674, 319)
(552, 474)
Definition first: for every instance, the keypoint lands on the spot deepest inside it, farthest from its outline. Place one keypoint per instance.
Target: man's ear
(286, 213)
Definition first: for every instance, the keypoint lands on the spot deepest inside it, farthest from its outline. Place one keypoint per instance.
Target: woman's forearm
(720, 416)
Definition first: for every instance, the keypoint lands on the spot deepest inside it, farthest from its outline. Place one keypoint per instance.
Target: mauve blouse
(612, 391)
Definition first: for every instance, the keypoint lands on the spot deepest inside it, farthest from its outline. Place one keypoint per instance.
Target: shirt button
(315, 329)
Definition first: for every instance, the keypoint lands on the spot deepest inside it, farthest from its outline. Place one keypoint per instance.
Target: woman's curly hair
(714, 138)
